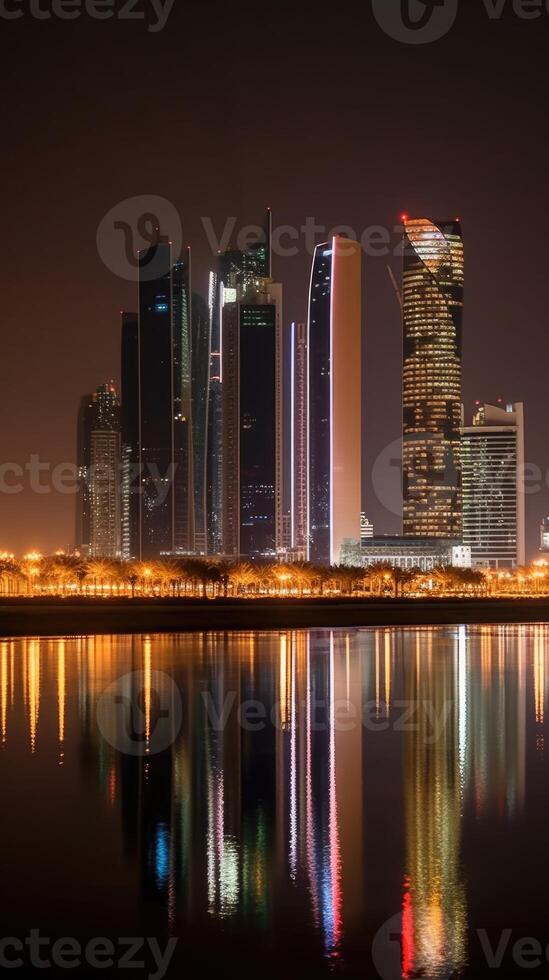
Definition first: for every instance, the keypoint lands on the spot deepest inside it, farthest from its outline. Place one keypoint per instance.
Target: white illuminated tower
(334, 399)
(492, 452)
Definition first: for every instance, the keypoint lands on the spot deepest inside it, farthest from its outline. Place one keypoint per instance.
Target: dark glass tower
(299, 407)
(86, 414)
(130, 435)
(432, 298)
(252, 423)
(214, 468)
(183, 504)
(200, 403)
(235, 270)
(165, 430)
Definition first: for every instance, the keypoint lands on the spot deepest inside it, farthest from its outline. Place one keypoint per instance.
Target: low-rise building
(422, 553)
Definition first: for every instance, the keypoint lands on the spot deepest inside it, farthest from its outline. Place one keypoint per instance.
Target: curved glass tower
(334, 392)
(432, 298)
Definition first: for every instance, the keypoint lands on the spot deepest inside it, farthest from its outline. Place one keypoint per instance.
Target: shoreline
(70, 617)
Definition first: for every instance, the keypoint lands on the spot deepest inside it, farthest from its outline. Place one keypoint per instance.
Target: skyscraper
(298, 437)
(99, 466)
(235, 269)
(252, 421)
(200, 344)
(166, 522)
(492, 452)
(432, 300)
(83, 451)
(214, 462)
(130, 436)
(334, 395)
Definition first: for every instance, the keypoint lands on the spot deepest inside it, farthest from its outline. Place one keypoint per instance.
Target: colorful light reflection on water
(380, 775)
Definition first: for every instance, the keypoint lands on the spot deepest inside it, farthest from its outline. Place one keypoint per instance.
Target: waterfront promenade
(71, 616)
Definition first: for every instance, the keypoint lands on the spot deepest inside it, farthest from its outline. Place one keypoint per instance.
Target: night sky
(235, 107)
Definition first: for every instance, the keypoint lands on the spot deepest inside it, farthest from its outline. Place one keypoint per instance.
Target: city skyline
(432, 251)
(61, 324)
(274, 488)
(266, 441)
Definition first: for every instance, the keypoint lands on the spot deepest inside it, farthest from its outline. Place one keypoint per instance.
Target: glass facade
(492, 452)
(165, 433)
(200, 329)
(432, 298)
(252, 483)
(257, 430)
(298, 436)
(130, 435)
(183, 503)
(335, 399)
(99, 466)
(83, 450)
(235, 271)
(319, 406)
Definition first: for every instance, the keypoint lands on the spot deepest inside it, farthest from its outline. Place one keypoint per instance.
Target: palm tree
(201, 573)
(131, 576)
(381, 575)
(12, 579)
(224, 572)
(167, 573)
(304, 576)
(101, 571)
(242, 576)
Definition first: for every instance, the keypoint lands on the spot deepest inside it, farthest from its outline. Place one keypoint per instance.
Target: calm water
(362, 803)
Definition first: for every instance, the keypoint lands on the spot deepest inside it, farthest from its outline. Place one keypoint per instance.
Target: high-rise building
(252, 421)
(298, 438)
(200, 345)
(432, 302)
(165, 460)
(334, 396)
(130, 436)
(214, 468)
(83, 450)
(492, 451)
(99, 467)
(234, 270)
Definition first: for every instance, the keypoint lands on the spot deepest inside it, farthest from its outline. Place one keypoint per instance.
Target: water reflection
(259, 816)
(434, 903)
